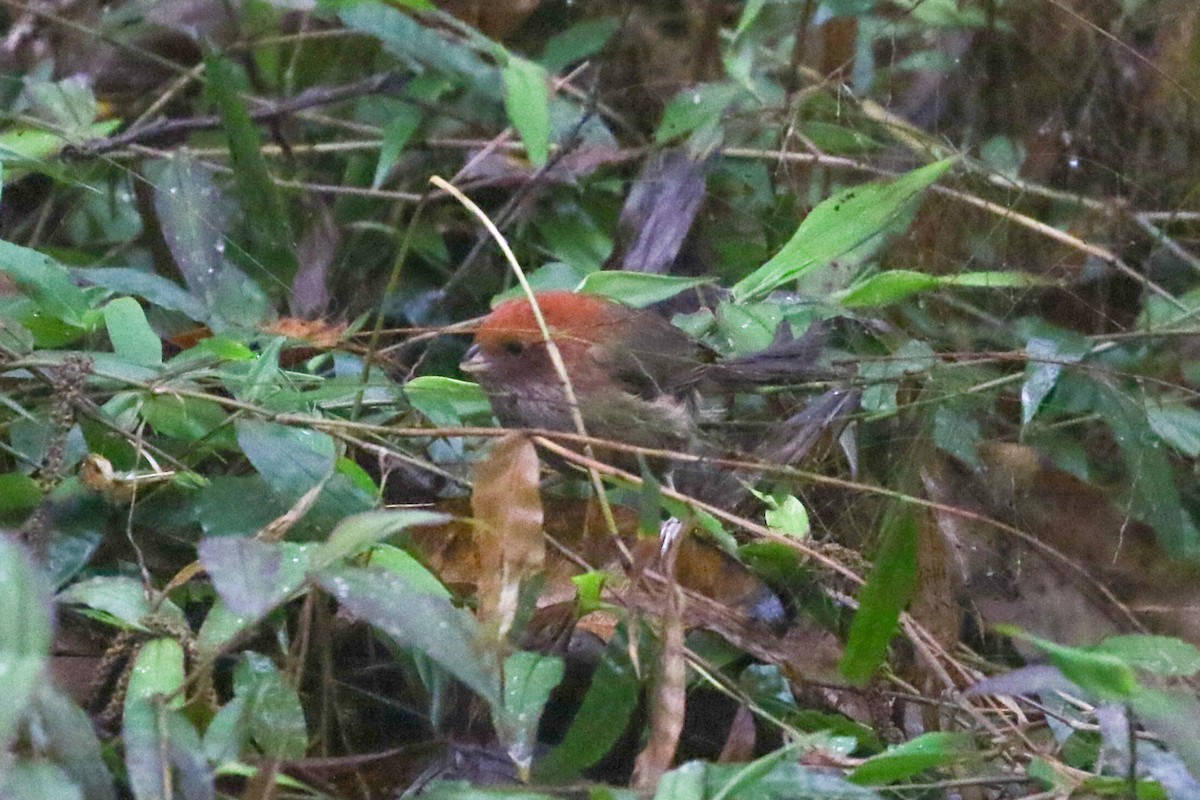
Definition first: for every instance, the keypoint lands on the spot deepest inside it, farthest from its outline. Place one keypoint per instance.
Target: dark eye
(514, 347)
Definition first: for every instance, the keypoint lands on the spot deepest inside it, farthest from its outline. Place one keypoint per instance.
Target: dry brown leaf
(507, 507)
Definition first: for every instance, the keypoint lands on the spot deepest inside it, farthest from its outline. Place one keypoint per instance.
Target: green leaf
(527, 101)
(432, 625)
(274, 716)
(291, 460)
(397, 561)
(24, 634)
(359, 532)
(195, 222)
(18, 493)
(447, 401)
(528, 680)
(602, 718)
(188, 418)
(154, 288)
(581, 40)
(271, 241)
(157, 672)
(1048, 350)
(121, 598)
(885, 288)
(395, 135)
(131, 335)
(419, 46)
(1177, 425)
(1161, 655)
(637, 289)
(38, 779)
(789, 517)
(887, 591)
(253, 576)
(46, 282)
(1105, 675)
(1154, 496)
(912, 758)
(851, 221)
(695, 107)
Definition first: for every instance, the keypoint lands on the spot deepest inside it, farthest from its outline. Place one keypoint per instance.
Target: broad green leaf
(158, 672)
(447, 401)
(789, 517)
(18, 493)
(291, 460)
(886, 593)
(601, 720)
(784, 780)
(528, 680)
(195, 221)
(122, 599)
(188, 418)
(38, 779)
(1154, 495)
(131, 335)
(254, 576)
(527, 100)
(274, 716)
(359, 532)
(912, 758)
(637, 289)
(1178, 425)
(432, 625)
(24, 634)
(842, 224)
(695, 107)
(271, 240)
(1161, 655)
(46, 282)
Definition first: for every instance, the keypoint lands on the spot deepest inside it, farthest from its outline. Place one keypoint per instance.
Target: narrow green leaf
(1105, 675)
(637, 288)
(131, 335)
(885, 288)
(527, 101)
(912, 758)
(356, 533)
(271, 240)
(841, 224)
(887, 591)
(581, 40)
(395, 135)
(601, 720)
(24, 634)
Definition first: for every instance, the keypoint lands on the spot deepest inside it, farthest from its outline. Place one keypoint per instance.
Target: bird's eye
(514, 347)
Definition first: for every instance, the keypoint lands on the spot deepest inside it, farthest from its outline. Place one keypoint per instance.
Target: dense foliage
(264, 539)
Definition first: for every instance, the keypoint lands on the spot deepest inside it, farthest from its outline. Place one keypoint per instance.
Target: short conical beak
(473, 361)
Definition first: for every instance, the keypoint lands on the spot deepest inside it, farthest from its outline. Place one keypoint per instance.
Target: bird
(637, 379)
